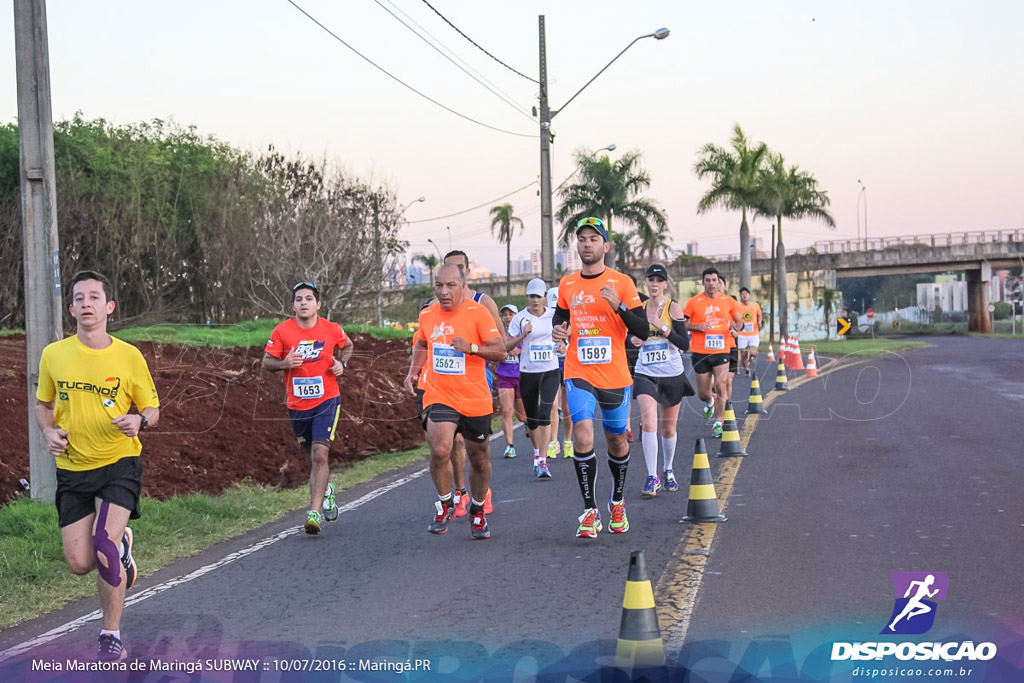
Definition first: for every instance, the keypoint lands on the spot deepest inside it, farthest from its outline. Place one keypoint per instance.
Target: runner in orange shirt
(711, 317)
(458, 337)
(313, 352)
(596, 307)
(750, 334)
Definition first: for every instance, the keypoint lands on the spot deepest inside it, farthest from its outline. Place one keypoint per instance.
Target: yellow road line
(677, 588)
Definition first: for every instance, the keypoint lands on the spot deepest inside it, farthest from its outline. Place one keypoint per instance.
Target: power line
(479, 206)
(400, 81)
(507, 99)
(532, 80)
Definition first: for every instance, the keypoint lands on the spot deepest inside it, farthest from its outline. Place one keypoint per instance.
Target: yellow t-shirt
(90, 388)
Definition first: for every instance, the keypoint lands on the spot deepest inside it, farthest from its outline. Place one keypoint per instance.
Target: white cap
(536, 287)
(511, 307)
(553, 297)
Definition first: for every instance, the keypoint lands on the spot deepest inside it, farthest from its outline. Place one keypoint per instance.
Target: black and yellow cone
(730, 435)
(640, 645)
(756, 404)
(703, 503)
(780, 381)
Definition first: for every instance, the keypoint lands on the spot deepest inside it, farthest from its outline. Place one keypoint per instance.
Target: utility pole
(378, 262)
(43, 322)
(547, 229)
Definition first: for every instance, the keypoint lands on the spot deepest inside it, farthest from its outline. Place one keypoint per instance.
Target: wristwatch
(474, 349)
(144, 423)
(665, 329)
(622, 307)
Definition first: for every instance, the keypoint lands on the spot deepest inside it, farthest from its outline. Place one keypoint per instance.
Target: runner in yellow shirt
(87, 386)
(750, 334)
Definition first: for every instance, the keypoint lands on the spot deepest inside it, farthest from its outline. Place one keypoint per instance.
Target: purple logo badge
(913, 612)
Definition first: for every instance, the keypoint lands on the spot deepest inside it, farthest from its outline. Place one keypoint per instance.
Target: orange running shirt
(717, 312)
(597, 341)
(750, 313)
(416, 337)
(451, 378)
(311, 383)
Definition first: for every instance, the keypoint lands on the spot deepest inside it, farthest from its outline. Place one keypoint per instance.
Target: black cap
(656, 270)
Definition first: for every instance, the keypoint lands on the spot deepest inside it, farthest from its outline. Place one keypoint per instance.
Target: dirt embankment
(224, 419)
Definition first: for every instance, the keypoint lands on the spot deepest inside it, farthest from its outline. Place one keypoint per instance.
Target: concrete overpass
(821, 265)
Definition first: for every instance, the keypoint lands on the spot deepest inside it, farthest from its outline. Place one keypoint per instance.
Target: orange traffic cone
(812, 364)
(771, 354)
(798, 360)
(785, 353)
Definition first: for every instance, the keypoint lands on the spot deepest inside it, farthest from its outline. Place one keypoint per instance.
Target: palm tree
(734, 185)
(653, 245)
(430, 261)
(610, 190)
(792, 194)
(829, 303)
(504, 222)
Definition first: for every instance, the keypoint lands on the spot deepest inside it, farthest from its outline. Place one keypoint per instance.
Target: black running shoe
(110, 649)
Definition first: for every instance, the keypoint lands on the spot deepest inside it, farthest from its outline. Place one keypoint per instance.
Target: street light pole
(864, 192)
(547, 238)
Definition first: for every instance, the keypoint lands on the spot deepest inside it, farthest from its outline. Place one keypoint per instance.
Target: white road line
(63, 629)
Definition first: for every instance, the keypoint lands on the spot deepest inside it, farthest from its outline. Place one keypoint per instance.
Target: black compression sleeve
(561, 316)
(678, 335)
(636, 322)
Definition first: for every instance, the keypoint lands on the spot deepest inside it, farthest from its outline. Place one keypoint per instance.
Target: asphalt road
(904, 462)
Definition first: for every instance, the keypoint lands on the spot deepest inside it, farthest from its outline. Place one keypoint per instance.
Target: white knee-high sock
(650, 443)
(668, 447)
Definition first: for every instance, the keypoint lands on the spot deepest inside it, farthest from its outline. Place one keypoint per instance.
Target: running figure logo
(914, 612)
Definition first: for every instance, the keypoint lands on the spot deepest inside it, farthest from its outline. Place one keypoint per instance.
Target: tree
(611, 190)
(504, 223)
(734, 185)
(829, 302)
(430, 261)
(794, 194)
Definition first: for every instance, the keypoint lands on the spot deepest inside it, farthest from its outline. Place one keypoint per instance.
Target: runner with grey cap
(539, 377)
(660, 378)
(507, 374)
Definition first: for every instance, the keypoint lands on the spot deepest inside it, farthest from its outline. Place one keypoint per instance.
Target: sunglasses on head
(304, 285)
(592, 222)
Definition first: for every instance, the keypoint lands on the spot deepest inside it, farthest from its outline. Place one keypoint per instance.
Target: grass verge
(861, 347)
(244, 334)
(34, 578)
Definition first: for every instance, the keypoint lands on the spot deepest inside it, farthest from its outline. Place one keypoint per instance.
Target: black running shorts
(703, 362)
(475, 429)
(119, 483)
(667, 391)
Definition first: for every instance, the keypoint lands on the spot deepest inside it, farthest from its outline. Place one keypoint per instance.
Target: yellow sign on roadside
(842, 326)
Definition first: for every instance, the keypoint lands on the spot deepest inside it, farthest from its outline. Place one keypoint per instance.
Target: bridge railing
(947, 239)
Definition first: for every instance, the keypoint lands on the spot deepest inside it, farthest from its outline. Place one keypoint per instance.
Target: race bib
(308, 387)
(542, 353)
(594, 350)
(714, 342)
(654, 353)
(448, 361)
(748, 328)
(512, 359)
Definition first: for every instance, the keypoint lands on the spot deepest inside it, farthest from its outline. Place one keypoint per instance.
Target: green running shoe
(329, 506)
(313, 520)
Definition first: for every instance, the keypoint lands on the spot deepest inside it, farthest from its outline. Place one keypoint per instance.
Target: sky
(920, 100)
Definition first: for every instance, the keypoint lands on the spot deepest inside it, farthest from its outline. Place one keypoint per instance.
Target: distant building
(693, 248)
(569, 261)
(950, 296)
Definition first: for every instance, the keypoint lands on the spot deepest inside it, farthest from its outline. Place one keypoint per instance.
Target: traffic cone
(798, 360)
(771, 354)
(730, 435)
(812, 364)
(703, 503)
(780, 380)
(784, 352)
(756, 405)
(640, 645)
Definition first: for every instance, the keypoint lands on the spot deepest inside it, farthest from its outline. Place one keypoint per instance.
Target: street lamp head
(611, 147)
(661, 34)
(422, 199)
